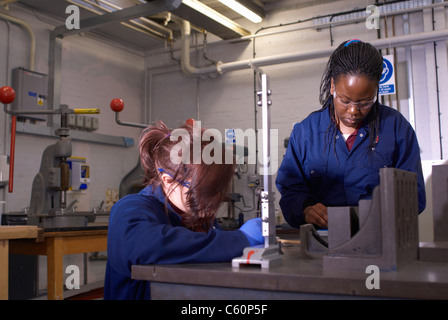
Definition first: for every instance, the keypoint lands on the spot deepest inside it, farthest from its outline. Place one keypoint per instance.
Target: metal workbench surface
(295, 278)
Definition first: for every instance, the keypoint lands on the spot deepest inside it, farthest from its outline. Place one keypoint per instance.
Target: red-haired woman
(172, 220)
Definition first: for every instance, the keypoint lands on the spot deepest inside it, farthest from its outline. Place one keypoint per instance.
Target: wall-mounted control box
(31, 92)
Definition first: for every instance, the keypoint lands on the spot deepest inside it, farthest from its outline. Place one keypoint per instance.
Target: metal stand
(388, 227)
(268, 255)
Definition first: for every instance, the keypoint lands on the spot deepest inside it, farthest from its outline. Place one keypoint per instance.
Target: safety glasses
(361, 105)
(184, 183)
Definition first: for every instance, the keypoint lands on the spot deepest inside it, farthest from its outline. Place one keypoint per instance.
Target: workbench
(55, 245)
(296, 278)
(8, 233)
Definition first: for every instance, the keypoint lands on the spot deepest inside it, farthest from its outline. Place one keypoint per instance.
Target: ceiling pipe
(32, 37)
(185, 63)
(220, 67)
(398, 41)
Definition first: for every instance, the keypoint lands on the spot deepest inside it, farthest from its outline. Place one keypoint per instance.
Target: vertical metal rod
(54, 75)
(12, 153)
(408, 54)
(267, 209)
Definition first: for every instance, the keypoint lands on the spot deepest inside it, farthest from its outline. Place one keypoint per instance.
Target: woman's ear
(166, 181)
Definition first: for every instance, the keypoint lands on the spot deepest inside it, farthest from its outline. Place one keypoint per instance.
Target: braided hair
(352, 57)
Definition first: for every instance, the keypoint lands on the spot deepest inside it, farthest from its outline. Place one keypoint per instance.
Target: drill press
(48, 207)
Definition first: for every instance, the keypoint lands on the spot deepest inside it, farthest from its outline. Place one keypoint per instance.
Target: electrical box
(31, 92)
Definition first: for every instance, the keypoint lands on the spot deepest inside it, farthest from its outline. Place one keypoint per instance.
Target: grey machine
(382, 231)
(48, 206)
(388, 227)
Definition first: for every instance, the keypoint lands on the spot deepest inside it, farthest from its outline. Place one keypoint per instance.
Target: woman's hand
(317, 215)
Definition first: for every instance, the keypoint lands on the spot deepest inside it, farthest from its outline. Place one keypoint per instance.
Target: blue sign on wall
(387, 82)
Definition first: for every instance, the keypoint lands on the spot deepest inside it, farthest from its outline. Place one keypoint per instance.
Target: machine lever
(86, 111)
(117, 106)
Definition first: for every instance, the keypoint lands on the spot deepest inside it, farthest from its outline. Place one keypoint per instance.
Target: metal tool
(267, 255)
(388, 227)
(48, 207)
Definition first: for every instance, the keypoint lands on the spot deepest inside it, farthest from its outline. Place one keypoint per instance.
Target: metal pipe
(31, 33)
(14, 118)
(408, 54)
(186, 66)
(411, 39)
(8, 54)
(404, 40)
(12, 153)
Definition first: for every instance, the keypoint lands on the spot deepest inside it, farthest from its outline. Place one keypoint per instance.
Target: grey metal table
(296, 278)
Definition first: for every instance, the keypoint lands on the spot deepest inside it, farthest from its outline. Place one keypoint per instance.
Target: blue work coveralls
(313, 170)
(141, 232)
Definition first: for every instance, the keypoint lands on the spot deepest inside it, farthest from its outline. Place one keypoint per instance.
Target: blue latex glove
(252, 231)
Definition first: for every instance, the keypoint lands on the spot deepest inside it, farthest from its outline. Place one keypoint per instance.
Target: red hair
(209, 183)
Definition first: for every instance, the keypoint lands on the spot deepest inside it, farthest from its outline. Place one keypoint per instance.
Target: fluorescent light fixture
(242, 10)
(214, 15)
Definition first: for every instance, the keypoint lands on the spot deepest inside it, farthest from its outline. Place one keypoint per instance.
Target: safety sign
(387, 82)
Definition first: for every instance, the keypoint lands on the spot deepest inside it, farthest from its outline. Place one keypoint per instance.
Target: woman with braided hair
(334, 155)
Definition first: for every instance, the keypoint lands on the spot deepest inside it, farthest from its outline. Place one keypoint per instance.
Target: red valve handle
(117, 105)
(7, 95)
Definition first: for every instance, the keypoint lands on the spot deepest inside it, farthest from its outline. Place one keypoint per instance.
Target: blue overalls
(142, 232)
(316, 170)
